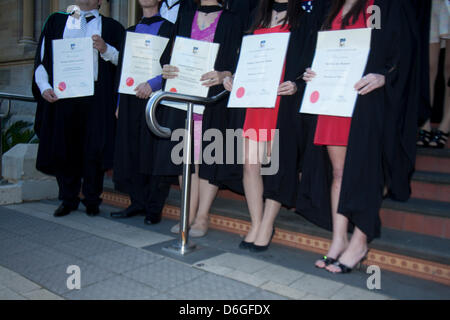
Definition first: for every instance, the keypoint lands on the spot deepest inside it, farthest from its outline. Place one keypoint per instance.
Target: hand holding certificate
(339, 63)
(73, 68)
(193, 59)
(259, 71)
(140, 60)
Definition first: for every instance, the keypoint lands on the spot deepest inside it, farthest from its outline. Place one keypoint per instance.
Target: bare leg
(207, 193)
(356, 251)
(340, 222)
(253, 187)
(445, 124)
(435, 49)
(271, 210)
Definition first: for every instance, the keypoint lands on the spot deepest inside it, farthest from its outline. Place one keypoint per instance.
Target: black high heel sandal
(424, 137)
(440, 138)
(346, 269)
(327, 261)
(255, 248)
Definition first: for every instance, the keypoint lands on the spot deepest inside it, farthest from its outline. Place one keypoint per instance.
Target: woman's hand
(228, 83)
(214, 78)
(369, 83)
(287, 88)
(309, 75)
(143, 91)
(117, 113)
(170, 72)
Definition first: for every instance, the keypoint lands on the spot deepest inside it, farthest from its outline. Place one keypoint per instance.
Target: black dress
(228, 35)
(379, 141)
(135, 144)
(77, 135)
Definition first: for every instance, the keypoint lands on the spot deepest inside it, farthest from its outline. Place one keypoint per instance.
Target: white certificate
(259, 71)
(193, 58)
(340, 61)
(73, 68)
(140, 60)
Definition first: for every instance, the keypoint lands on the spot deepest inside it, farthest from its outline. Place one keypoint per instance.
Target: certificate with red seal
(193, 58)
(259, 71)
(340, 61)
(73, 68)
(140, 60)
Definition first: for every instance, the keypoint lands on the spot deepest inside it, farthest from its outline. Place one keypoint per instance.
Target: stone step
(434, 160)
(431, 186)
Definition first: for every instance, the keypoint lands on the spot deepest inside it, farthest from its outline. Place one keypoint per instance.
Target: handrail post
(185, 245)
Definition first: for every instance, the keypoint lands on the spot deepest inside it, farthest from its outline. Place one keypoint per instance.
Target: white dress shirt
(169, 11)
(93, 27)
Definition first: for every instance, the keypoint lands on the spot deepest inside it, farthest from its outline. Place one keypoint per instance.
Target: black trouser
(82, 172)
(149, 193)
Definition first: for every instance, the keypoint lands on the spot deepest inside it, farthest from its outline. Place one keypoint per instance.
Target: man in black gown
(77, 135)
(134, 142)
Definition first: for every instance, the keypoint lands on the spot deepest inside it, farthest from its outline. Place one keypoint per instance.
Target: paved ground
(125, 260)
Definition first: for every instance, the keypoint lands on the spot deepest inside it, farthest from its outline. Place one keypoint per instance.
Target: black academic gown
(53, 121)
(135, 143)
(244, 9)
(228, 35)
(366, 168)
(282, 185)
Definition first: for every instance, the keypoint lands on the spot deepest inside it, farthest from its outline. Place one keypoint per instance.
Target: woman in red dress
(273, 16)
(333, 132)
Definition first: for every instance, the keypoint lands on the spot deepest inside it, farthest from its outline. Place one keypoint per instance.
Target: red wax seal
(240, 92)
(173, 90)
(315, 96)
(130, 82)
(62, 86)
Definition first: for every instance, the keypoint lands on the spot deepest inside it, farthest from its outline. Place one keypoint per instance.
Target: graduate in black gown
(341, 189)
(135, 143)
(77, 135)
(227, 33)
(265, 194)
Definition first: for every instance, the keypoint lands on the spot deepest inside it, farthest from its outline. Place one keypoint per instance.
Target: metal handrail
(182, 246)
(9, 97)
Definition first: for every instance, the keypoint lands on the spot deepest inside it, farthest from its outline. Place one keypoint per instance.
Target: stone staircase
(415, 237)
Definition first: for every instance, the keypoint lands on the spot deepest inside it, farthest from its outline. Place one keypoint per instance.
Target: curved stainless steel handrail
(150, 114)
(182, 246)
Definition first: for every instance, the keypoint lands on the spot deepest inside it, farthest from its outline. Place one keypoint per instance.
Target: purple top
(203, 35)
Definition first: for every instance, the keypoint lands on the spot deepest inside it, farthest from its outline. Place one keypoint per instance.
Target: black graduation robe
(283, 185)
(49, 124)
(134, 139)
(368, 166)
(245, 9)
(228, 35)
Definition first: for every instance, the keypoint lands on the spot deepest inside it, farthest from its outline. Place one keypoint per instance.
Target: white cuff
(41, 77)
(111, 54)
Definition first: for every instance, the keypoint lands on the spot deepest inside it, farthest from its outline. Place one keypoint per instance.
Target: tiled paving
(124, 260)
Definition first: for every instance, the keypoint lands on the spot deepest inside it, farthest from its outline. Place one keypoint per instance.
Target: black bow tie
(89, 19)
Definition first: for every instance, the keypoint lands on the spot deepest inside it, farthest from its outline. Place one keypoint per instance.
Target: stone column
(132, 7)
(27, 21)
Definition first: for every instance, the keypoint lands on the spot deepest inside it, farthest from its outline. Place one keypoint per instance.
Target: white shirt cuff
(41, 77)
(111, 54)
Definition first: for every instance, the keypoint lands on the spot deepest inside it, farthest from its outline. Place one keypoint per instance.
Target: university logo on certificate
(340, 61)
(193, 58)
(259, 71)
(73, 68)
(140, 60)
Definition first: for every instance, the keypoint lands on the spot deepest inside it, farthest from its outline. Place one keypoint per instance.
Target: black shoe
(92, 211)
(244, 245)
(129, 212)
(63, 210)
(149, 220)
(256, 248)
(346, 269)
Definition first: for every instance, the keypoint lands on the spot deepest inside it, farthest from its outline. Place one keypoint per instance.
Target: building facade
(21, 22)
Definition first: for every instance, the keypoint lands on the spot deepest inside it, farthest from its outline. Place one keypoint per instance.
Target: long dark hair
(350, 18)
(264, 14)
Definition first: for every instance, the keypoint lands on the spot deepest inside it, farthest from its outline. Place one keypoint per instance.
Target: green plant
(16, 133)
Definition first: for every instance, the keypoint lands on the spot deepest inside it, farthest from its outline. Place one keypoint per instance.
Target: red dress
(331, 130)
(263, 121)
